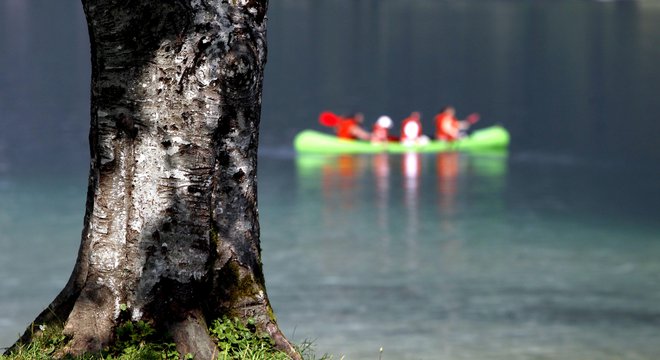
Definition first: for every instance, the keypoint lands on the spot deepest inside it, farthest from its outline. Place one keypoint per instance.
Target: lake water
(548, 251)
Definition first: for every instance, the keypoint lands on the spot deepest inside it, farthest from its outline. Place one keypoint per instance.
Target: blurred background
(548, 251)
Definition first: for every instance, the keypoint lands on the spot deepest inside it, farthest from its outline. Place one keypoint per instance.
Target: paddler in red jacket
(349, 128)
(411, 129)
(448, 127)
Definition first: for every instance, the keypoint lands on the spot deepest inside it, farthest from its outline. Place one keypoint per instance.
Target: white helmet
(384, 121)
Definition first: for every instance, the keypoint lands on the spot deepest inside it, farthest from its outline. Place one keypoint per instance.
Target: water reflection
(411, 167)
(447, 169)
(340, 178)
(381, 170)
(403, 245)
(404, 207)
(405, 192)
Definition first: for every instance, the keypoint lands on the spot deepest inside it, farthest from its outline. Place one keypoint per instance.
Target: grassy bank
(139, 341)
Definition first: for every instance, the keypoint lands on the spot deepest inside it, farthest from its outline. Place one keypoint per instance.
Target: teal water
(453, 263)
(429, 257)
(549, 251)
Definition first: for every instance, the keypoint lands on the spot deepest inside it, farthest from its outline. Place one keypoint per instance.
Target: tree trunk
(171, 227)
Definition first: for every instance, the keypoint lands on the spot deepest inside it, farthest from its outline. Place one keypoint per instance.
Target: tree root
(281, 342)
(191, 337)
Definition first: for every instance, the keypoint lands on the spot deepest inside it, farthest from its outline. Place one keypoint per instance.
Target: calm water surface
(548, 251)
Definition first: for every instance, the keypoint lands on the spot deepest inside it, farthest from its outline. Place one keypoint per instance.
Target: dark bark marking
(239, 176)
(127, 126)
(113, 93)
(260, 6)
(237, 76)
(200, 50)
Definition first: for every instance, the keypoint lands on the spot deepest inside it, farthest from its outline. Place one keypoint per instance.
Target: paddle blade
(473, 118)
(329, 119)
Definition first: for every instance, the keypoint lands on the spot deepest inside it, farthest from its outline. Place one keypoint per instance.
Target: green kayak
(311, 141)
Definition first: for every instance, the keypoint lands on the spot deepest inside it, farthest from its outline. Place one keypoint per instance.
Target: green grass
(137, 340)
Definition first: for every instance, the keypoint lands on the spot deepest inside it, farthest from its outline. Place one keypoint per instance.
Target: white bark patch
(117, 307)
(104, 259)
(175, 146)
(114, 288)
(145, 196)
(206, 74)
(177, 174)
(136, 314)
(166, 179)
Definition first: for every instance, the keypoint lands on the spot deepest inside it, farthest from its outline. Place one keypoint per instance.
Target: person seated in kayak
(349, 128)
(379, 133)
(411, 130)
(449, 128)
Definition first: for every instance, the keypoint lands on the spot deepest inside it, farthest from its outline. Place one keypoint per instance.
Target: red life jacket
(379, 133)
(345, 128)
(447, 127)
(411, 129)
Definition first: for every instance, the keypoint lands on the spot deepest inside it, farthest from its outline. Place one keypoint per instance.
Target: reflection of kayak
(311, 141)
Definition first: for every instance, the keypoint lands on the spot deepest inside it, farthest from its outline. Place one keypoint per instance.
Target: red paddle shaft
(472, 118)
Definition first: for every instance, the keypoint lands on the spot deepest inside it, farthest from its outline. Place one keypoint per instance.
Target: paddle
(472, 118)
(330, 119)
